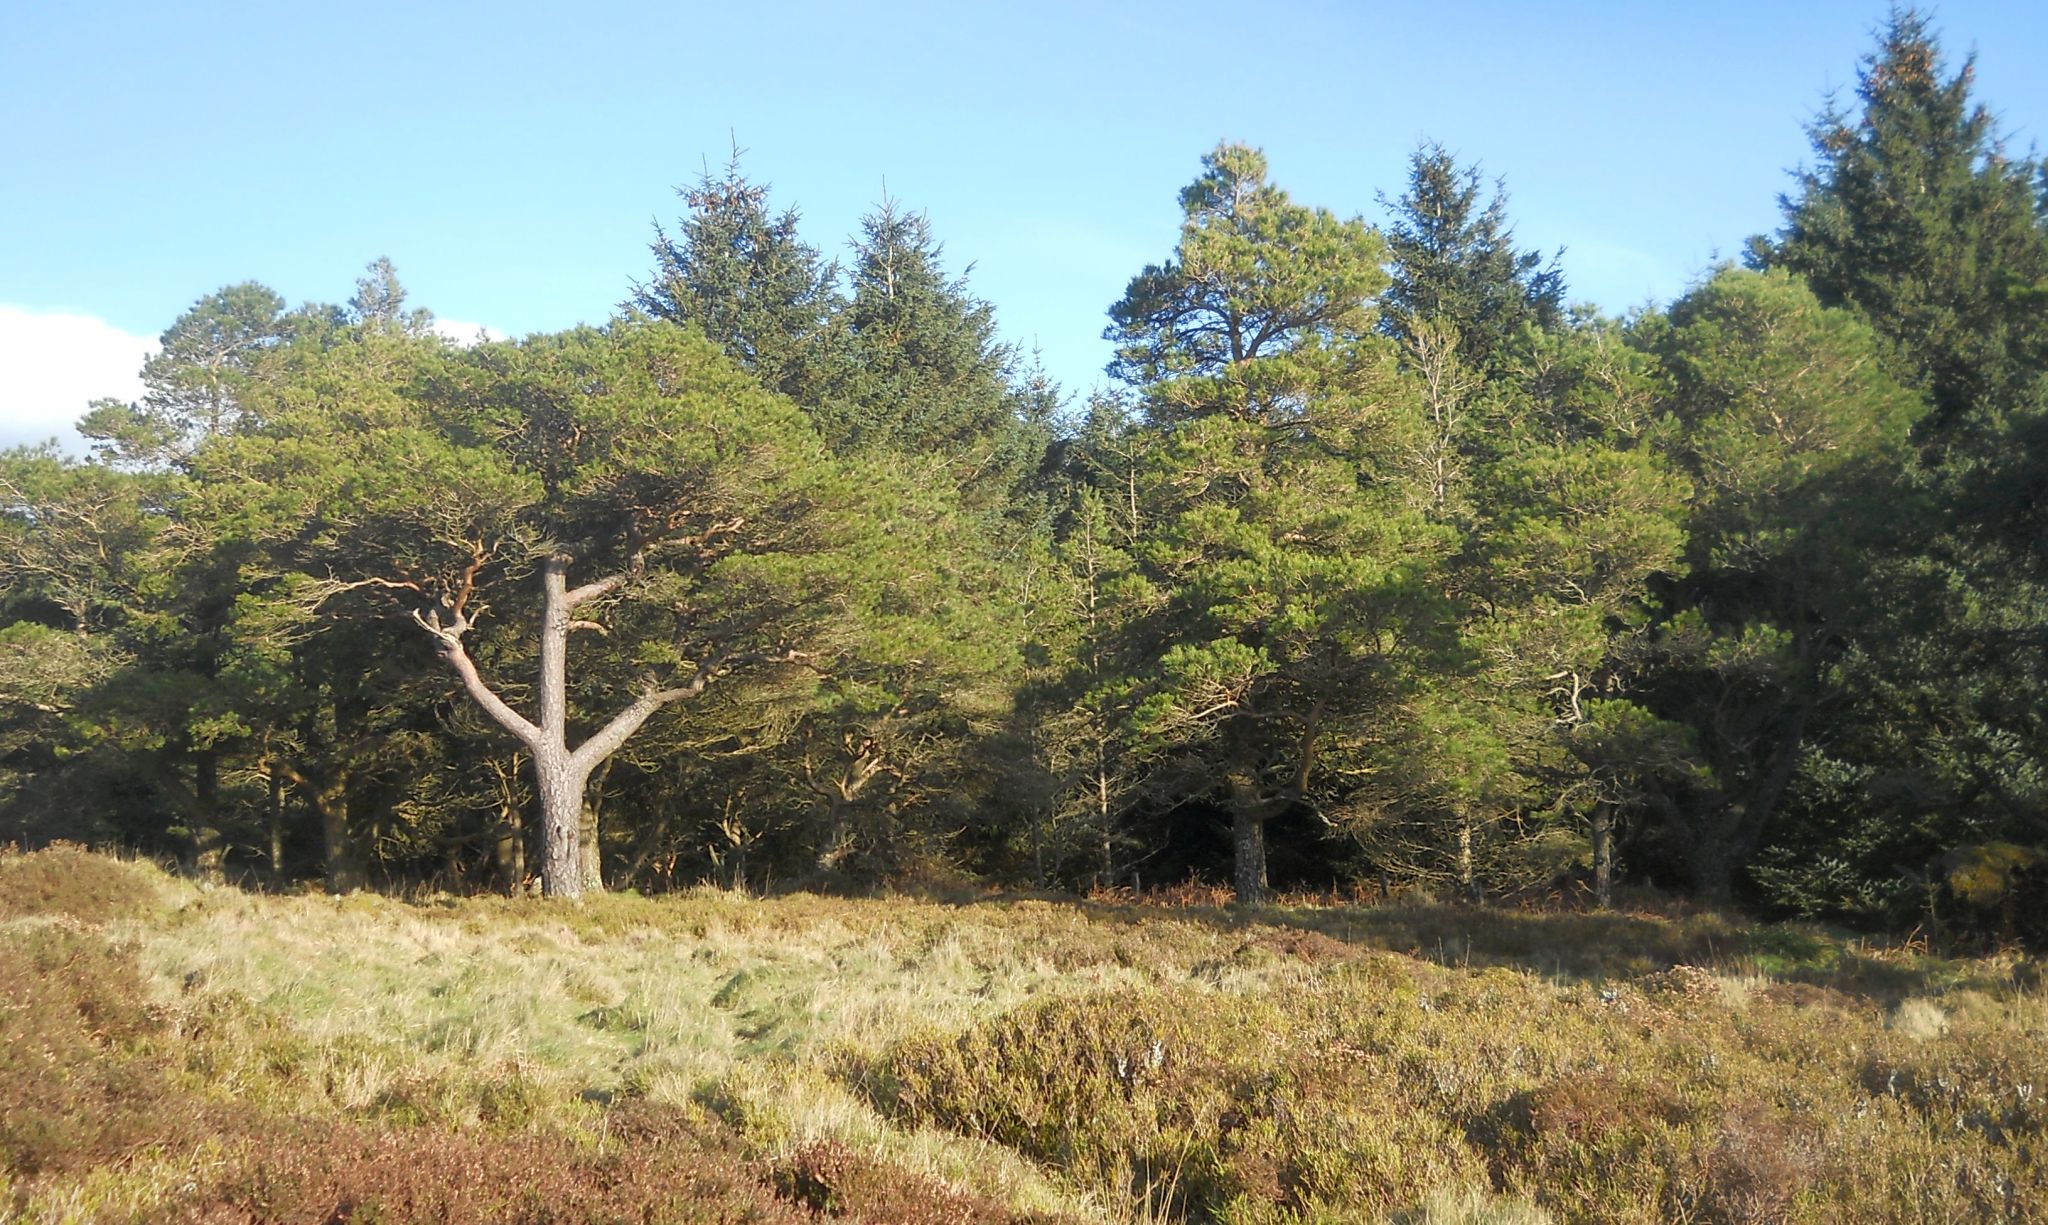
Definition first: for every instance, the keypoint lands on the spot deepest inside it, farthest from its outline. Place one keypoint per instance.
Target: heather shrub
(72, 1091)
(832, 1180)
(404, 1176)
(1246, 1110)
(1758, 1168)
(68, 880)
(710, 1057)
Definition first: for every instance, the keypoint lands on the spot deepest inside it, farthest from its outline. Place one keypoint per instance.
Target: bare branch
(635, 565)
(465, 585)
(332, 587)
(598, 587)
(608, 739)
(450, 641)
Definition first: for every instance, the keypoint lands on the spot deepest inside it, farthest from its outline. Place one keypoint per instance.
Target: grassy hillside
(171, 1051)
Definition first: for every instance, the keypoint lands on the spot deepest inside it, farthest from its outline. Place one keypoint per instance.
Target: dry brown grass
(174, 1051)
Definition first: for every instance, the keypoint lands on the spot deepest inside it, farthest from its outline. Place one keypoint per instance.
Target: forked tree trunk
(560, 773)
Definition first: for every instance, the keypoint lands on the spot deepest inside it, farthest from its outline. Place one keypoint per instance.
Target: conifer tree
(193, 383)
(1285, 534)
(1454, 263)
(740, 272)
(924, 373)
(1917, 214)
(1794, 438)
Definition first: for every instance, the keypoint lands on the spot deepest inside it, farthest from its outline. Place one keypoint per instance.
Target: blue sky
(511, 158)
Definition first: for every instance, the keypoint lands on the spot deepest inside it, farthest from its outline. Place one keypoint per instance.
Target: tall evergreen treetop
(192, 385)
(1454, 262)
(740, 272)
(926, 371)
(1916, 214)
(1257, 283)
(379, 301)
(1291, 564)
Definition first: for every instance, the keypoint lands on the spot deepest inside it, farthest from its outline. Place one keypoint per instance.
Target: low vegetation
(170, 1050)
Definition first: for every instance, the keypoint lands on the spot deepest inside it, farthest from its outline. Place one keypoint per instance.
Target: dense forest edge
(1382, 570)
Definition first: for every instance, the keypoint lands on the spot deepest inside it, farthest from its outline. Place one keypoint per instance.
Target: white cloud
(52, 364)
(465, 334)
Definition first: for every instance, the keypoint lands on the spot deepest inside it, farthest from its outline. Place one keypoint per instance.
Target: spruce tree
(1917, 214)
(924, 373)
(742, 274)
(1454, 263)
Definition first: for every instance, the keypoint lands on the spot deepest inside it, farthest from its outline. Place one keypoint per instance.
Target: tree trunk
(838, 837)
(1038, 816)
(1603, 856)
(1248, 812)
(559, 773)
(589, 853)
(508, 848)
(344, 870)
(208, 849)
(588, 847)
(275, 815)
(336, 854)
(1105, 818)
(1468, 881)
(1712, 869)
(560, 784)
(510, 852)
(1248, 840)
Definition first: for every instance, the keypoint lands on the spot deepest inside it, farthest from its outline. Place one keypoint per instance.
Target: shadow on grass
(1575, 946)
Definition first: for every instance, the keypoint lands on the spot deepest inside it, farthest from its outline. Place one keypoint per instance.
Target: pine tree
(1284, 533)
(379, 302)
(1575, 514)
(193, 383)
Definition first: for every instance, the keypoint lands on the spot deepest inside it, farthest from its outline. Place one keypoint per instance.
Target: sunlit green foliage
(1380, 568)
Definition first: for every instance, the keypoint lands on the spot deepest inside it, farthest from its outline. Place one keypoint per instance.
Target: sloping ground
(175, 1052)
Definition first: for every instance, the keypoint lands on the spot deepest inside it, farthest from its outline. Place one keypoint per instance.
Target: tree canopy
(1375, 565)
